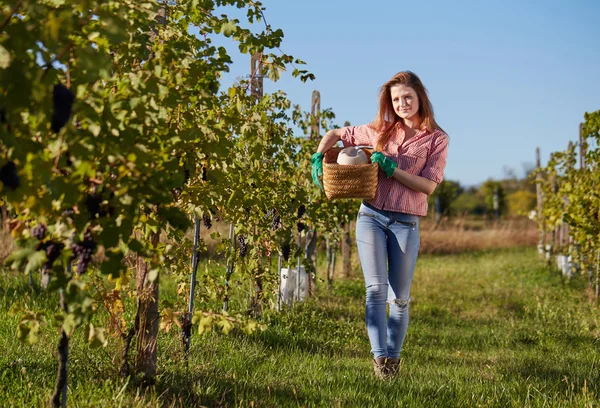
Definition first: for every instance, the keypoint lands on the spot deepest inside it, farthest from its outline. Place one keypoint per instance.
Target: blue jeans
(388, 245)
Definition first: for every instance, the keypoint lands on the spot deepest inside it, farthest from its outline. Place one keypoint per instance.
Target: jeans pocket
(366, 214)
(411, 224)
(406, 234)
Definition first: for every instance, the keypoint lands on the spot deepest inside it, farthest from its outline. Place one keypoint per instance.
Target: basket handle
(332, 154)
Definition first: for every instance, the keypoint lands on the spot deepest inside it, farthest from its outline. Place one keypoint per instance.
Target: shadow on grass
(181, 390)
(178, 391)
(571, 376)
(290, 342)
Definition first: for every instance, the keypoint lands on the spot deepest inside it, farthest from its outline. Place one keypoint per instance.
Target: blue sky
(504, 76)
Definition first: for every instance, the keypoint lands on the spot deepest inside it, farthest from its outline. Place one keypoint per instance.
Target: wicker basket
(349, 181)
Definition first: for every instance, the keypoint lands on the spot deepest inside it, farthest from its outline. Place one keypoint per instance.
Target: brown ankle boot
(379, 368)
(392, 367)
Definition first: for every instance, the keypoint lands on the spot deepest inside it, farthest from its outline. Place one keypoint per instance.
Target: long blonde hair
(387, 119)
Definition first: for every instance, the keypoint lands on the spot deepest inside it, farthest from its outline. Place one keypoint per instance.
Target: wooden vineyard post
(328, 260)
(346, 243)
(347, 250)
(315, 115)
(583, 168)
(310, 251)
(147, 283)
(256, 77)
(299, 265)
(333, 255)
(229, 267)
(147, 334)
(186, 324)
(540, 205)
(582, 148)
(59, 398)
(279, 282)
(256, 89)
(311, 234)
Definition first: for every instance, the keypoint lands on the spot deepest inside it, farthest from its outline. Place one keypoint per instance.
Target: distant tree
(470, 202)
(447, 192)
(488, 190)
(521, 202)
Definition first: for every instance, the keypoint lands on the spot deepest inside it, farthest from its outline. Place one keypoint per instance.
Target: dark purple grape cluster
(301, 210)
(94, 206)
(53, 250)
(300, 226)
(93, 202)
(207, 221)
(215, 212)
(243, 245)
(83, 251)
(186, 327)
(247, 210)
(275, 218)
(39, 232)
(285, 251)
(186, 174)
(204, 173)
(9, 176)
(276, 222)
(62, 101)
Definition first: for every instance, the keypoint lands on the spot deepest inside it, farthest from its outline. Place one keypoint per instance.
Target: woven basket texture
(349, 181)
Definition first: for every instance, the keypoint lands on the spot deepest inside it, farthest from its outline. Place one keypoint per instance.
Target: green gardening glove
(387, 165)
(317, 168)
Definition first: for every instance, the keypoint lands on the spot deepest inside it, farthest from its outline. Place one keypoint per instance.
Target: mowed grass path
(493, 329)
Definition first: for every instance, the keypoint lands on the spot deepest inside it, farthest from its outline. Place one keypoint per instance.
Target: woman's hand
(385, 163)
(317, 168)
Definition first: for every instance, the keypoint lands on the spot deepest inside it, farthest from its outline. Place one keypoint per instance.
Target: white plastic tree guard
(288, 285)
(564, 264)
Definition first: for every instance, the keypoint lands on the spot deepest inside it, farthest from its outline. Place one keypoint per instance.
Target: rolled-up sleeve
(362, 135)
(436, 161)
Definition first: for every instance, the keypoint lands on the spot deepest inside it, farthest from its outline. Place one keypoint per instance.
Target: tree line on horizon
(516, 197)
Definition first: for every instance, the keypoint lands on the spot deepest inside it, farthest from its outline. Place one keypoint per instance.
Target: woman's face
(405, 101)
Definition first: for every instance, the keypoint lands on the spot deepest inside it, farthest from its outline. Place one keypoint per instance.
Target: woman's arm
(330, 139)
(417, 183)
(433, 173)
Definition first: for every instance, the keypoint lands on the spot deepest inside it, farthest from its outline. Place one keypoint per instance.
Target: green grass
(492, 329)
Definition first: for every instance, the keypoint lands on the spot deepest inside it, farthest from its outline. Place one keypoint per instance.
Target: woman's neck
(413, 123)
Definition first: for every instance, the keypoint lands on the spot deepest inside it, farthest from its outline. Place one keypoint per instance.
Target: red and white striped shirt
(424, 155)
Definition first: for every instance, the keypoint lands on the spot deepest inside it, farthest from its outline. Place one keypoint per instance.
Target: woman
(411, 151)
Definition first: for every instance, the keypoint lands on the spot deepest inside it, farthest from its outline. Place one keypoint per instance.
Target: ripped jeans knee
(402, 303)
(377, 293)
